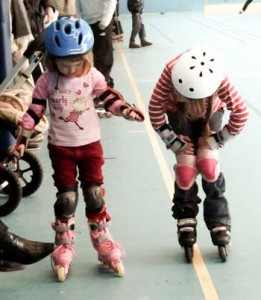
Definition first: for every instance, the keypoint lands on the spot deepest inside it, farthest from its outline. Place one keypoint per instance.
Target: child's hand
(19, 150)
(189, 148)
(20, 147)
(132, 113)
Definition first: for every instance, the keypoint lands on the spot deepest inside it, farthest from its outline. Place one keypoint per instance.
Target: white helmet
(197, 73)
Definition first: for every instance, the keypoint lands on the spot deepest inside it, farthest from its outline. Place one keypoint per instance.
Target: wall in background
(153, 6)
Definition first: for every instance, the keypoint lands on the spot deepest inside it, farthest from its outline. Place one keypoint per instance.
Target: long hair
(198, 110)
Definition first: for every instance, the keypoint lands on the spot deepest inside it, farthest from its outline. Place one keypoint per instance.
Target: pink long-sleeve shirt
(73, 119)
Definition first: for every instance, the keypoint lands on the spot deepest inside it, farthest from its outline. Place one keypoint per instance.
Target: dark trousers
(246, 4)
(216, 211)
(103, 50)
(138, 27)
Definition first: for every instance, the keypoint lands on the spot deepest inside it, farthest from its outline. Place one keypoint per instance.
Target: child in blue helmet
(70, 84)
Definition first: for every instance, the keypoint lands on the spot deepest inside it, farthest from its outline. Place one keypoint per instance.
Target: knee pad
(208, 164)
(65, 205)
(93, 197)
(185, 171)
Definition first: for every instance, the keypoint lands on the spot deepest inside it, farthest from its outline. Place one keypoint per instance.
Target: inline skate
(64, 251)
(109, 251)
(187, 236)
(220, 236)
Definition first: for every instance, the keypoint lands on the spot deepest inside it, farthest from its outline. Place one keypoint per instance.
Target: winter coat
(64, 7)
(35, 11)
(135, 6)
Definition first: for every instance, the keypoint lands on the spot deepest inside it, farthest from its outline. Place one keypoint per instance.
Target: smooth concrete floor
(139, 183)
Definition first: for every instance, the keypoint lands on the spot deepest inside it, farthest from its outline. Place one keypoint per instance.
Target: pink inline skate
(109, 251)
(64, 252)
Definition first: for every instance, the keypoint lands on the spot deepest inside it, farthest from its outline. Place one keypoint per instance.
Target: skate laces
(62, 248)
(102, 238)
(64, 238)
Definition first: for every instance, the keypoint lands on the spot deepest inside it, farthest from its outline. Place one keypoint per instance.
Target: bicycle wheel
(30, 173)
(10, 191)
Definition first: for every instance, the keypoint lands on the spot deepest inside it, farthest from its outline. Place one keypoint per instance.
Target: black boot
(9, 266)
(145, 43)
(16, 249)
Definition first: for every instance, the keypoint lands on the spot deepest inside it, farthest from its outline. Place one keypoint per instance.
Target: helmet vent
(200, 74)
(57, 26)
(180, 81)
(191, 90)
(57, 41)
(80, 39)
(77, 25)
(68, 29)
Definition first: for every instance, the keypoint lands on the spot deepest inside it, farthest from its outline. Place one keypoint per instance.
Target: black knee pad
(93, 197)
(66, 204)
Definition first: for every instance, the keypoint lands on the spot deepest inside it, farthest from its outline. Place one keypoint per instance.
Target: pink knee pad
(185, 176)
(208, 164)
(185, 170)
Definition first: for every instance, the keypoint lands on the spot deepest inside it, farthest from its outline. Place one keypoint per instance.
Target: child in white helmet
(186, 110)
(69, 87)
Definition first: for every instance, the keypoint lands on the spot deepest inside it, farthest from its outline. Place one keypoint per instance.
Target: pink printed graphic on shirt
(78, 110)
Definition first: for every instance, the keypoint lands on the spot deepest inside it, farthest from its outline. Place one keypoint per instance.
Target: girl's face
(70, 67)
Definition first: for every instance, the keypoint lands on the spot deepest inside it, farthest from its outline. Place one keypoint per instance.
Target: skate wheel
(222, 251)
(189, 254)
(108, 115)
(118, 268)
(101, 115)
(60, 272)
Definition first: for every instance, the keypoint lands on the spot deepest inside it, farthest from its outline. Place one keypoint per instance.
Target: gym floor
(139, 183)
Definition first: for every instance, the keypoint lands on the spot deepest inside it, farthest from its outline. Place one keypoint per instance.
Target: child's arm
(114, 102)
(33, 115)
(238, 116)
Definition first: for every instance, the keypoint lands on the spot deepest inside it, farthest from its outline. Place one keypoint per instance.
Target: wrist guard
(219, 139)
(126, 105)
(171, 140)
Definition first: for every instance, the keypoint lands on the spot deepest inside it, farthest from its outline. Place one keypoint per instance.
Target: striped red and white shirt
(164, 99)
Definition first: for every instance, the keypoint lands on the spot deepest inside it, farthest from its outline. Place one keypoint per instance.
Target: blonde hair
(50, 61)
(187, 112)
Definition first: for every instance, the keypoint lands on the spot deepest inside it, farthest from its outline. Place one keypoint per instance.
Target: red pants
(71, 164)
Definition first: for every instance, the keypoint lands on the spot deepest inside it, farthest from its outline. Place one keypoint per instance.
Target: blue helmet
(68, 36)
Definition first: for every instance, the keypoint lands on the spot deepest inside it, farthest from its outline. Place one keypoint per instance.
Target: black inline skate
(187, 236)
(220, 236)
